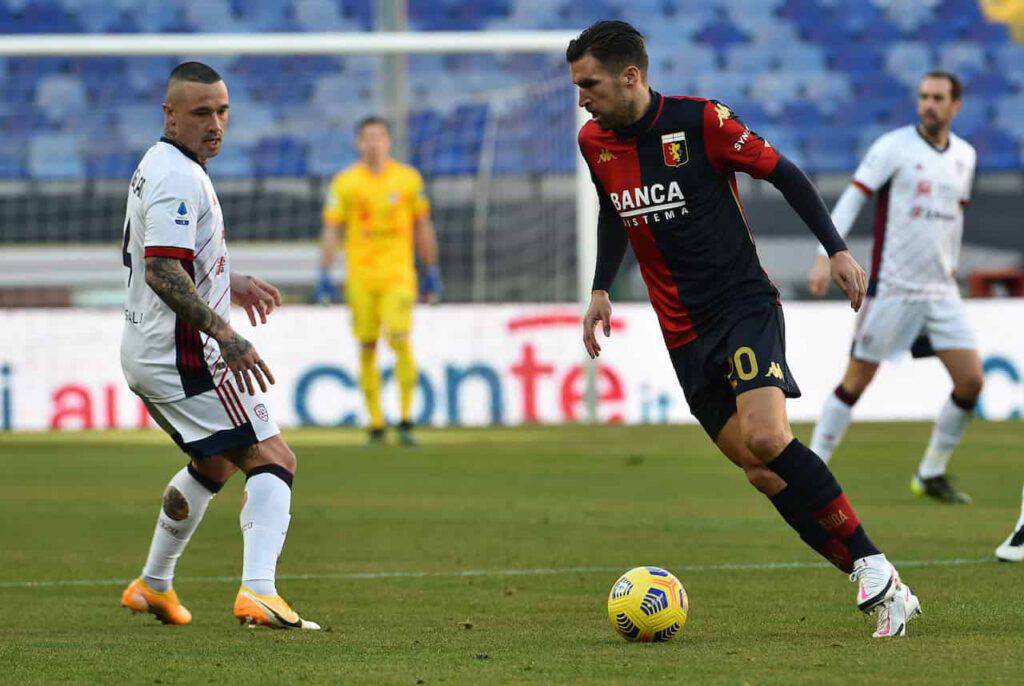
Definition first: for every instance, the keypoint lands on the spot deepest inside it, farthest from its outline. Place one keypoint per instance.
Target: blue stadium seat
(997, 149)
(751, 58)
(963, 59)
(279, 157)
(720, 33)
(234, 161)
(213, 16)
(12, 159)
(828, 150)
(854, 56)
(322, 15)
(775, 90)
(112, 165)
(251, 123)
(974, 117)
(829, 91)
(55, 157)
(906, 61)
(61, 96)
(727, 86)
(1010, 115)
(332, 152)
(909, 15)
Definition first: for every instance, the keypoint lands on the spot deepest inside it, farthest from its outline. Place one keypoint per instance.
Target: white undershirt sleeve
(844, 214)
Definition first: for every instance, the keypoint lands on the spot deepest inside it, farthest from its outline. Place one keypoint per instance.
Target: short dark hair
(370, 121)
(956, 88)
(615, 44)
(195, 72)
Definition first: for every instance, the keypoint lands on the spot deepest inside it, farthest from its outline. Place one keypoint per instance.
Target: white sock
(949, 429)
(1020, 522)
(264, 520)
(173, 532)
(828, 432)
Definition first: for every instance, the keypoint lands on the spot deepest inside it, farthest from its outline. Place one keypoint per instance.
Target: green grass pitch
(485, 556)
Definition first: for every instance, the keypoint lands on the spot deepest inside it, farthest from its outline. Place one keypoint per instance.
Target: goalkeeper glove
(325, 291)
(430, 286)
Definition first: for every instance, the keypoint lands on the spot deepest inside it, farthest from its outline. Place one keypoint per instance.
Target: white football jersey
(172, 211)
(919, 219)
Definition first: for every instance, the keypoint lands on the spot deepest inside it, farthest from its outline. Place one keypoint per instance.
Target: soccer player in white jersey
(923, 176)
(197, 376)
(1012, 549)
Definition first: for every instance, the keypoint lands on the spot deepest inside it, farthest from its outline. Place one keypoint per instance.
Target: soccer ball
(647, 604)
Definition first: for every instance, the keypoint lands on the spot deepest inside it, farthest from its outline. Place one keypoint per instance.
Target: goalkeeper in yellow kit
(379, 208)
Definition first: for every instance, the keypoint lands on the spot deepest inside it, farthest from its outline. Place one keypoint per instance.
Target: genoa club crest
(673, 149)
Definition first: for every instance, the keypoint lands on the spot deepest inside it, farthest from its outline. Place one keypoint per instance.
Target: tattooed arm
(174, 286)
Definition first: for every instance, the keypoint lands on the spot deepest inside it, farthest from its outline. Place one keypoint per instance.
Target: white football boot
(1012, 549)
(877, 581)
(894, 613)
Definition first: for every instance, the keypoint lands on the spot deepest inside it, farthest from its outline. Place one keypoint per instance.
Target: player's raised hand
(600, 311)
(850, 277)
(244, 362)
(818, 278)
(255, 296)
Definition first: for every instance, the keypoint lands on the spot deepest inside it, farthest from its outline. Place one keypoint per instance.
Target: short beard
(932, 129)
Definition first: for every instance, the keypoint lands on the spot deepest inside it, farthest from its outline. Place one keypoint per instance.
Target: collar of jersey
(931, 145)
(183, 150)
(645, 122)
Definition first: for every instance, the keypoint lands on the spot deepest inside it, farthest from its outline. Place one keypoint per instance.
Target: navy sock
(819, 495)
(787, 502)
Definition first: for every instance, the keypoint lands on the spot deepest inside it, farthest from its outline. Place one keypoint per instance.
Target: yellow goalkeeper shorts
(373, 308)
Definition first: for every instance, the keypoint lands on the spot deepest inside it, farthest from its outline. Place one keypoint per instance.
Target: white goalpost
(483, 204)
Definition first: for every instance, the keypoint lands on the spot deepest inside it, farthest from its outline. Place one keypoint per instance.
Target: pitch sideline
(540, 571)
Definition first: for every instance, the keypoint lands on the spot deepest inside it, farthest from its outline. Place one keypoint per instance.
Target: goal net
(489, 120)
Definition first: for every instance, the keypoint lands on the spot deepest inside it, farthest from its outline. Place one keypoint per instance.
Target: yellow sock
(405, 374)
(369, 380)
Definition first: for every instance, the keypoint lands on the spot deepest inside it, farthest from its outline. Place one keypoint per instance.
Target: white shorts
(216, 421)
(890, 326)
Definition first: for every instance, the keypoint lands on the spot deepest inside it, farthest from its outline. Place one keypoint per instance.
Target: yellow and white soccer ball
(647, 604)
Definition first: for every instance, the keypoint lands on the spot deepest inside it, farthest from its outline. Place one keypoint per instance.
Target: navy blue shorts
(733, 356)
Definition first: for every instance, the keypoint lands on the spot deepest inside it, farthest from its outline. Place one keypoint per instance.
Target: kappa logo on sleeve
(182, 220)
(723, 113)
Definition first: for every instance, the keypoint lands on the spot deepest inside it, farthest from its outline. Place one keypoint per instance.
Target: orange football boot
(139, 597)
(268, 610)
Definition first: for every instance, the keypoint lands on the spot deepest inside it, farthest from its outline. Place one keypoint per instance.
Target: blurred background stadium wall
(493, 132)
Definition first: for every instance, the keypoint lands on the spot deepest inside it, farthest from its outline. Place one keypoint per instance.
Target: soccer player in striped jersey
(202, 382)
(923, 175)
(664, 169)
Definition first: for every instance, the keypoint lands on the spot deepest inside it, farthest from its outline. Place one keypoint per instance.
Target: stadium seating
(816, 74)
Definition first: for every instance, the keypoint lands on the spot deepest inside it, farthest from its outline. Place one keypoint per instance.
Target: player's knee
(284, 457)
(175, 504)
(766, 441)
(969, 388)
(398, 340)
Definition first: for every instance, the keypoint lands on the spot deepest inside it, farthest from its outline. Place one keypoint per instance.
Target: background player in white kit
(923, 176)
(180, 355)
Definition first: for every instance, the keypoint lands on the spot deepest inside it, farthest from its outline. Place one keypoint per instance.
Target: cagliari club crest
(673, 149)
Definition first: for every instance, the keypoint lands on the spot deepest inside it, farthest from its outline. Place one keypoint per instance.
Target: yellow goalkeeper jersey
(378, 211)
